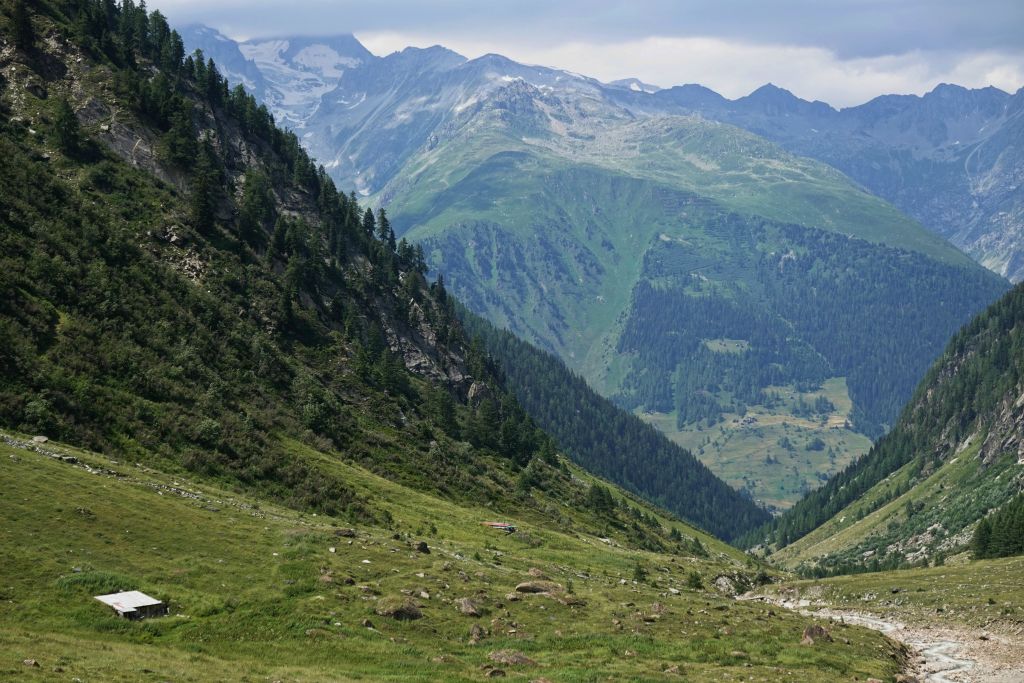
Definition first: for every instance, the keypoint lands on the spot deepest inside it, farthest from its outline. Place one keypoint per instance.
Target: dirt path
(944, 654)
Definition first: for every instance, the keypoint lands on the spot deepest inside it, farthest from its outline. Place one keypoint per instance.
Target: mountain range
(577, 214)
(233, 387)
(950, 158)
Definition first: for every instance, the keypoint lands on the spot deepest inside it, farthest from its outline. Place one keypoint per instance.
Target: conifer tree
(24, 35)
(369, 222)
(384, 231)
(66, 130)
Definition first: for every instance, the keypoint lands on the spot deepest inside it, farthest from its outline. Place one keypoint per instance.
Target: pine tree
(384, 231)
(982, 538)
(24, 35)
(66, 129)
(369, 222)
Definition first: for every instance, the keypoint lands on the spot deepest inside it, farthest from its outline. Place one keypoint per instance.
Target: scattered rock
(536, 573)
(422, 547)
(31, 662)
(476, 634)
(906, 678)
(345, 533)
(539, 587)
(674, 669)
(40, 439)
(402, 609)
(567, 599)
(366, 623)
(332, 549)
(814, 633)
(466, 607)
(478, 391)
(495, 673)
(510, 658)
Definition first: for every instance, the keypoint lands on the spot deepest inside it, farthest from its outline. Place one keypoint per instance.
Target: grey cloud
(849, 28)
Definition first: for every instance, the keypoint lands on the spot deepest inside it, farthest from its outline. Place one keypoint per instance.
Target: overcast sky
(841, 51)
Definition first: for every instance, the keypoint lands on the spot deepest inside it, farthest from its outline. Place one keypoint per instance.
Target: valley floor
(258, 592)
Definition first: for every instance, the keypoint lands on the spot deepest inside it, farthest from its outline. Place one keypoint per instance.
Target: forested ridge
(202, 314)
(186, 288)
(968, 391)
(807, 304)
(611, 442)
(1002, 533)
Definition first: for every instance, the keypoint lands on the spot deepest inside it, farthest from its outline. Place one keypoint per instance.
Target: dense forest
(611, 442)
(1002, 533)
(963, 393)
(193, 315)
(203, 297)
(805, 304)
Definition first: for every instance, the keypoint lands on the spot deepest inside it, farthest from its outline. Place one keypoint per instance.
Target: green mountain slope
(196, 315)
(540, 193)
(633, 249)
(605, 439)
(954, 455)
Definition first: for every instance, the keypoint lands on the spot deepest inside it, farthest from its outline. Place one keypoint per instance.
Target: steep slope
(955, 454)
(187, 288)
(578, 228)
(603, 438)
(289, 75)
(951, 158)
(572, 213)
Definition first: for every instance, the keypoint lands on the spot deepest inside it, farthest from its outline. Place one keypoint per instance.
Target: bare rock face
(478, 391)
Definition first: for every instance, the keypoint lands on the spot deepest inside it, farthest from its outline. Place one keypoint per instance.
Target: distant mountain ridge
(951, 158)
(572, 212)
(956, 454)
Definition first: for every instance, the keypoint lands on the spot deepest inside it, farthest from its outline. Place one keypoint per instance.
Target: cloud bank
(841, 51)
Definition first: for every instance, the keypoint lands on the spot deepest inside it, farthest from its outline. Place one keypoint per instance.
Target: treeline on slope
(981, 366)
(611, 442)
(1001, 534)
(809, 304)
(269, 307)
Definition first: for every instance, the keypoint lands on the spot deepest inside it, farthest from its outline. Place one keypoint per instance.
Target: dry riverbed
(945, 653)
